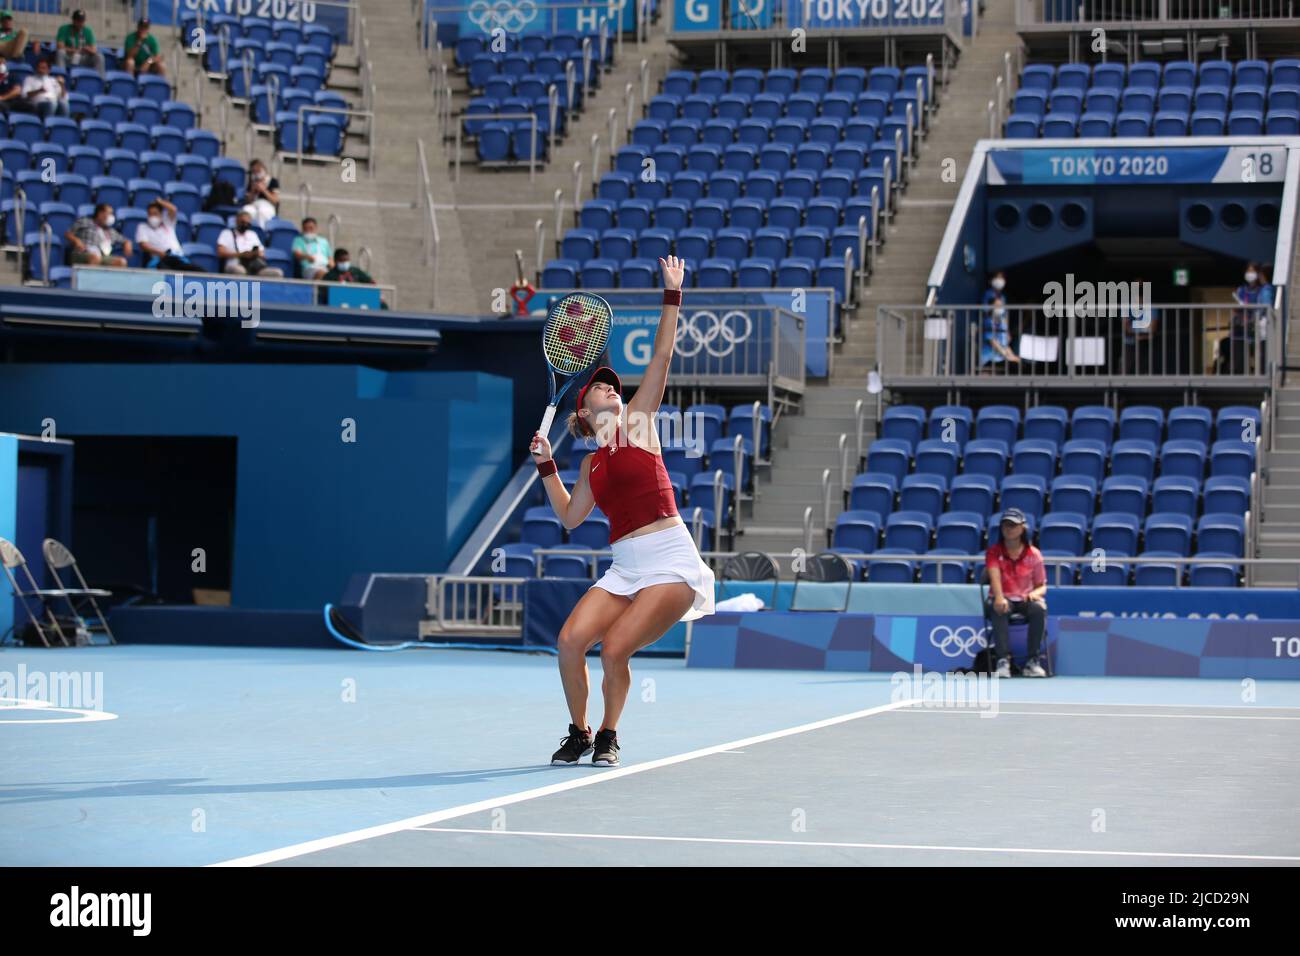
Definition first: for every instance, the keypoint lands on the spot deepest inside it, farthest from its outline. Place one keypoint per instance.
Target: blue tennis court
(203, 756)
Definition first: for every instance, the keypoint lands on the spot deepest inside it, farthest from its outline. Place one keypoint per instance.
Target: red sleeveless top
(630, 486)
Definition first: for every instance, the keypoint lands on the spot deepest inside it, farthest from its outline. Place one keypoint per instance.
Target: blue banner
(306, 12)
(705, 16)
(480, 17)
(1165, 162)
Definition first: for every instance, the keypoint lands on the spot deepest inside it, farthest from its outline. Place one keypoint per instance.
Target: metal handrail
(577, 187)
(595, 162)
(332, 226)
(644, 70)
(807, 530)
(826, 503)
(859, 415)
(304, 199)
(539, 230)
(433, 239)
(364, 257)
(559, 221)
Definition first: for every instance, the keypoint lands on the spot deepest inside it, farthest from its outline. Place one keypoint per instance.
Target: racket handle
(547, 419)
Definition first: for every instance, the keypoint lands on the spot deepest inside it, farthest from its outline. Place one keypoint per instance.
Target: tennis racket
(577, 328)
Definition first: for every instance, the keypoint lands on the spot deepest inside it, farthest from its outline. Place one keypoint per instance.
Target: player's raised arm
(651, 390)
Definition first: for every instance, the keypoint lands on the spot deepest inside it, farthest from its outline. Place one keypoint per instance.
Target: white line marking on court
(45, 707)
(731, 751)
(1002, 712)
(1110, 703)
(410, 823)
(864, 846)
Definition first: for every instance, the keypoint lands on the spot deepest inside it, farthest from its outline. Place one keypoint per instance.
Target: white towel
(741, 602)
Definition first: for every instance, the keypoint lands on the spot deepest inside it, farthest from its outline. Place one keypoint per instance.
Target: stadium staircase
(1279, 533)
(902, 266)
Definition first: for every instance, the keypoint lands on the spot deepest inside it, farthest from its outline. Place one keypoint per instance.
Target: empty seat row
(959, 423)
(775, 108)
(814, 80)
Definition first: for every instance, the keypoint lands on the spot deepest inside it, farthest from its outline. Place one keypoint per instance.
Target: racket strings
(576, 332)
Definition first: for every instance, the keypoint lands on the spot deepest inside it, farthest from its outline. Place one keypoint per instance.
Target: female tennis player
(657, 577)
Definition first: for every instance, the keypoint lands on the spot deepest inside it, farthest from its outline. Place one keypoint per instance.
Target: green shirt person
(12, 40)
(76, 43)
(345, 271)
(142, 51)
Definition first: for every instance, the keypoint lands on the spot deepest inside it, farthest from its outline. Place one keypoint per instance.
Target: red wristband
(672, 296)
(547, 467)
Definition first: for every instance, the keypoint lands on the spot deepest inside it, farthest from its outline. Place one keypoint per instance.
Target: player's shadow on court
(191, 786)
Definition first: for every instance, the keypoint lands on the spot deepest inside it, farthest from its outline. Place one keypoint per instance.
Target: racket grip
(547, 419)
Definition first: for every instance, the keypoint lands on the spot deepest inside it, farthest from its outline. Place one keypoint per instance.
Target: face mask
(155, 221)
(259, 176)
(242, 227)
(1252, 276)
(999, 284)
(309, 236)
(344, 266)
(109, 220)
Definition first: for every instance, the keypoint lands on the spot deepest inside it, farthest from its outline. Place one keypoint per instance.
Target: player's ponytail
(578, 427)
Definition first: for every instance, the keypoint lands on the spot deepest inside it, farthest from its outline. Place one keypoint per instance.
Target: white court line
(597, 776)
(1000, 711)
(1108, 703)
(866, 846)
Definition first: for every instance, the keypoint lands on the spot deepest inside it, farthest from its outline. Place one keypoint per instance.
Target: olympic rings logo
(511, 17)
(717, 328)
(954, 642)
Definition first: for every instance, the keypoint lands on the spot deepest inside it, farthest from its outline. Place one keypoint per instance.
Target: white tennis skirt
(661, 557)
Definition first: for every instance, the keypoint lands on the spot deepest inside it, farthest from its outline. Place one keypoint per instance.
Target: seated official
(1017, 585)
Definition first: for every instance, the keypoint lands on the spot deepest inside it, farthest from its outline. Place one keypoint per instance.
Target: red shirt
(1019, 575)
(630, 485)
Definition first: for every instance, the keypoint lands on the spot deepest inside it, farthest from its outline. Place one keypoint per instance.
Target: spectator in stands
(344, 271)
(997, 288)
(94, 242)
(76, 44)
(1017, 585)
(311, 252)
(141, 53)
(262, 200)
(1236, 348)
(156, 237)
(11, 92)
(241, 251)
(1142, 352)
(13, 43)
(995, 337)
(45, 94)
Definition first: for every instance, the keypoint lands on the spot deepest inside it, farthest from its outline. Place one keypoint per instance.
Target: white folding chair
(81, 598)
(14, 564)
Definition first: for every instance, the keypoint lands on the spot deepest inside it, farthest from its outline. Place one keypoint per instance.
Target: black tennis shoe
(572, 748)
(606, 749)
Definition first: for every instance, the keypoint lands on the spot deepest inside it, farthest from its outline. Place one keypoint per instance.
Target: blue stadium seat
(1232, 457)
(893, 457)
(1107, 574)
(936, 457)
(942, 571)
(887, 566)
(1034, 456)
(923, 492)
(1115, 532)
(1238, 422)
(1084, 456)
(1169, 532)
(1047, 422)
(972, 493)
(985, 456)
(1074, 493)
(1184, 457)
(1176, 493)
(874, 491)
(1026, 492)
(1190, 422)
(1217, 575)
(1093, 421)
(1142, 422)
(1151, 572)
(1063, 532)
(906, 422)
(1125, 494)
(1000, 422)
(599, 273)
(908, 529)
(952, 423)
(1134, 456)
(1226, 494)
(560, 274)
(1221, 533)
(858, 530)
